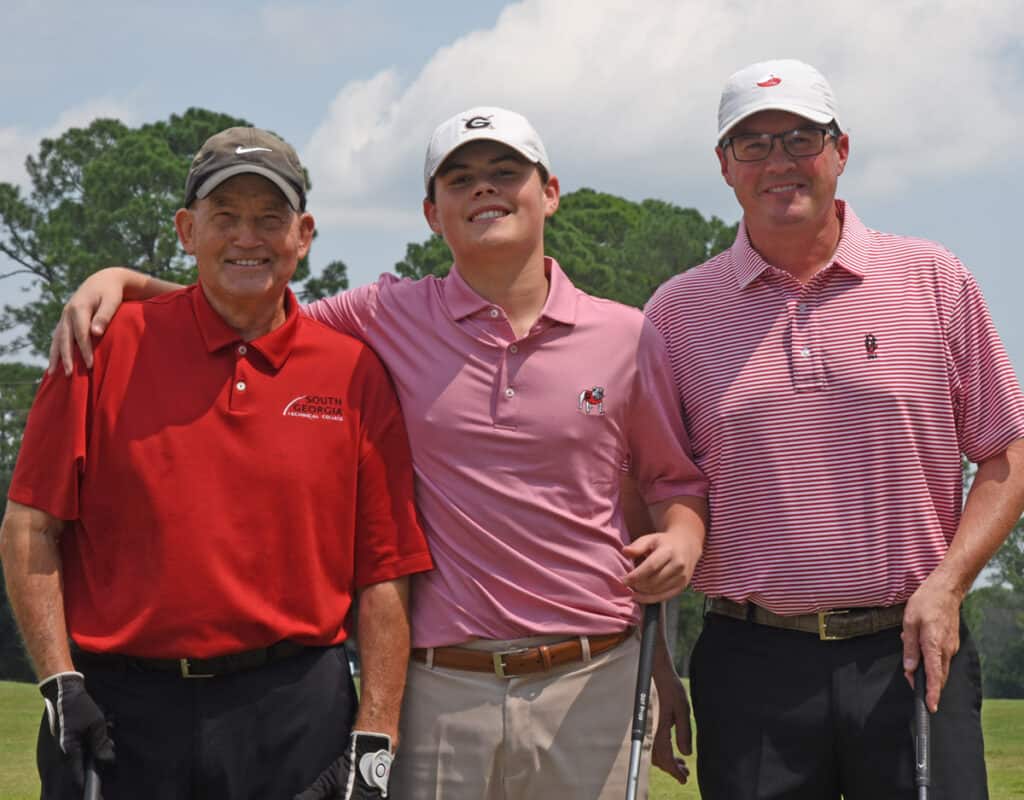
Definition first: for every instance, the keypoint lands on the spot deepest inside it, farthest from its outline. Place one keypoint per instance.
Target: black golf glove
(77, 725)
(361, 773)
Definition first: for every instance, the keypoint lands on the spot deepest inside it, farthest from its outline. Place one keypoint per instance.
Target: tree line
(106, 194)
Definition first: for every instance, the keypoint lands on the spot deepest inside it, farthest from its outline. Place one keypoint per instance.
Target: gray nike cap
(246, 150)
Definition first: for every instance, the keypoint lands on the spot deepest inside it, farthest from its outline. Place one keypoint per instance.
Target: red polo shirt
(223, 495)
(830, 416)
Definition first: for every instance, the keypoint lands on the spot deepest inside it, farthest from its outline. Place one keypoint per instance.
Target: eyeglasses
(801, 143)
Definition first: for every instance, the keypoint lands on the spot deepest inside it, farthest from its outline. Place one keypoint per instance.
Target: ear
(843, 151)
(552, 194)
(184, 224)
(723, 164)
(307, 227)
(431, 216)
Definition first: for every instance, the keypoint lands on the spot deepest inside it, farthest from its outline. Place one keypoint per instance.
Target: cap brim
(533, 158)
(813, 115)
(217, 178)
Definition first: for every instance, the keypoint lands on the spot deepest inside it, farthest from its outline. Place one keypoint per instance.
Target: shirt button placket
(806, 358)
(240, 389)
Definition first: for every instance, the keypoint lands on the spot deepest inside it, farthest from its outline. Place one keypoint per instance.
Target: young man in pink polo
(523, 398)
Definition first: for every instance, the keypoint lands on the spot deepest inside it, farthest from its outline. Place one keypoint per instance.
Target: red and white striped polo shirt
(830, 417)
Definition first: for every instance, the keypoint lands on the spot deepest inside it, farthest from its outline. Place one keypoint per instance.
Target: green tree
(430, 258)
(1008, 563)
(332, 279)
(18, 384)
(995, 615)
(101, 195)
(609, 246)
(686, 618)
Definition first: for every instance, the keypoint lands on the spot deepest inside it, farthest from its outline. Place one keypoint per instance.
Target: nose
(483, 186)
(247, 234)
(777, 154)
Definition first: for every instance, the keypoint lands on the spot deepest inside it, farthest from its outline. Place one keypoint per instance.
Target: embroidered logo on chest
(591, 401)
(315, 406)
(871, 346)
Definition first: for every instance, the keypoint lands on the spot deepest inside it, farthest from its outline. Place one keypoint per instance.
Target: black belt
(190, 667)
(839, 623)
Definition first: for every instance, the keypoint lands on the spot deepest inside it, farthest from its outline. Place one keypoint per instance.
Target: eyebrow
(451, 166)
(227, 199)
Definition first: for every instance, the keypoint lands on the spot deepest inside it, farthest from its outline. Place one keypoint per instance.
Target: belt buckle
(186, 670)
(498, 657)
(823, 625)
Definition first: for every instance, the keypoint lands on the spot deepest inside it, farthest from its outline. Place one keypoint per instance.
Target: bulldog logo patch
(591, 401)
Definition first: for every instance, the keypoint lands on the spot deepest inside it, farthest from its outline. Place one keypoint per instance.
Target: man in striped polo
(830, 377)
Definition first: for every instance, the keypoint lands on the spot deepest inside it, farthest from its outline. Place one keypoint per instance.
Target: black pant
(264, 733)
(782, 714)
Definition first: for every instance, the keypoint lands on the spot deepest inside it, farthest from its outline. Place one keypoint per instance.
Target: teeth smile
(246, 262)
(789, 187)
(493, 214)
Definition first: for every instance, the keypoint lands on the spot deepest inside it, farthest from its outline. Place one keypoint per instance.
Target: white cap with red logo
(483, 122)
(781, 85)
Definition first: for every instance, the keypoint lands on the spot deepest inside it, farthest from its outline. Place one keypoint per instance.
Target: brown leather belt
(841, 623)
(523, 660)
(189, 667)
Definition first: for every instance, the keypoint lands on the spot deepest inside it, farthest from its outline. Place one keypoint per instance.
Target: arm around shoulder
(93, 305)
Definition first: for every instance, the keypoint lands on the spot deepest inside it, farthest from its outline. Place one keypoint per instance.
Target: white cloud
(625, 92)
(82, 114)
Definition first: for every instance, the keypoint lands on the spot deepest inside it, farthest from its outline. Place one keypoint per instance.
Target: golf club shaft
(92, 781)
(642, 696)
(922, 736)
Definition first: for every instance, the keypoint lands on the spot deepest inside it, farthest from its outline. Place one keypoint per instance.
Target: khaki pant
(562, 735)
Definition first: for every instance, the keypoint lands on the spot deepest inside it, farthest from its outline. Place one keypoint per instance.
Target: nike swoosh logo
(241, 149)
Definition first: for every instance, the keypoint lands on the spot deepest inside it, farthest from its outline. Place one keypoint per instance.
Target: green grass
(20, 707)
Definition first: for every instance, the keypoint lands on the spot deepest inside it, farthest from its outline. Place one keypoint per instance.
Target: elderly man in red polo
(197, 512)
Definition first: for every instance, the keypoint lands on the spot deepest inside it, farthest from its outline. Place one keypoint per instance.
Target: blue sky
(624, 95)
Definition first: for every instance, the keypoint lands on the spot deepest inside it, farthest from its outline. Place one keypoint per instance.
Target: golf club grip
(642, 698)
(922, 735)
(92, 782)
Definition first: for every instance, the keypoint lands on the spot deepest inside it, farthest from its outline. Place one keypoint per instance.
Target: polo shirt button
(512, 348)
(804, 307)
(806, 352)
(510, 392)
(494, 313)
(240, 386)
(242, 349)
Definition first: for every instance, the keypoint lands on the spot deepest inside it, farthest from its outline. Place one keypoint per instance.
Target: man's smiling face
(782, 191)
(247, 240)
(486, 196)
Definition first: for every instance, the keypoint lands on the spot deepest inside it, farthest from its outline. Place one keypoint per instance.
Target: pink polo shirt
(830, 417)
(517, 446)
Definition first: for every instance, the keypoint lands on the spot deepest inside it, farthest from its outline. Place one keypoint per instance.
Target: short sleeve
(51, 460)
(989, 402)
(659, 448)
(389, 539)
